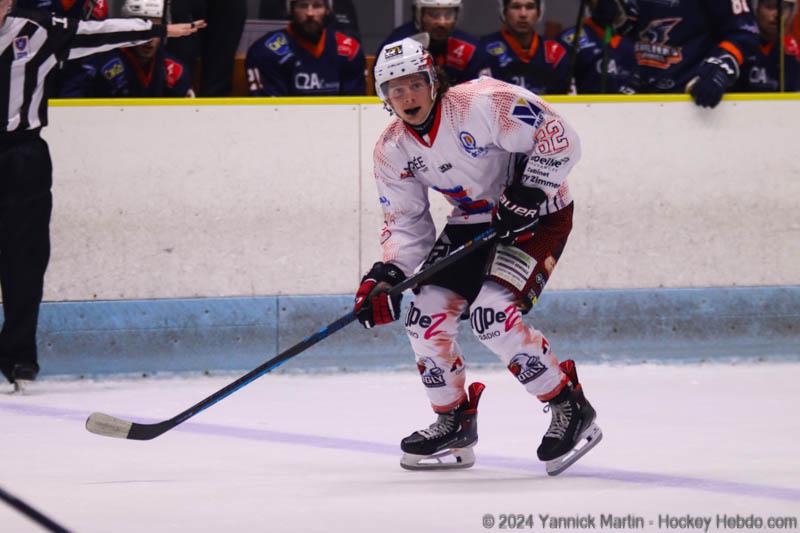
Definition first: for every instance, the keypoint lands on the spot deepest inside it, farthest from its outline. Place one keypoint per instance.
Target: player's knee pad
(498, 324)
(431, 325)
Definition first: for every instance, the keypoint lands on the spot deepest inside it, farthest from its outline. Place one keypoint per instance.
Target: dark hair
(444, 81)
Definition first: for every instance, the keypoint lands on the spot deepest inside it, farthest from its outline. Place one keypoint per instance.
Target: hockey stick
(31, 513)
(110, 426)
(573, 53)
(781, 49)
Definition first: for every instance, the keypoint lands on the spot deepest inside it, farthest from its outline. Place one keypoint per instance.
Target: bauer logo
(470, 144)
(432, 375)
(526, 367)
(393, 51)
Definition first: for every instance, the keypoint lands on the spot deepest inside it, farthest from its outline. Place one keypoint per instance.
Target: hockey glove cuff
(373, 305)
(715, 75)
(517, 213)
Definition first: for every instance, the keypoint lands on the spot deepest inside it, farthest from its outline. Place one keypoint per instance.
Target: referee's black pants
(26, 175)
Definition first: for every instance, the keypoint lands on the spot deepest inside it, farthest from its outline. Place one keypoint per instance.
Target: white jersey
(479, 131)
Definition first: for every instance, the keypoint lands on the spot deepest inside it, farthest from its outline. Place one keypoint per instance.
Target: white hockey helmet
(503, 3)
(143, 8)
(289, 6)
(402, 58)
(420, 4)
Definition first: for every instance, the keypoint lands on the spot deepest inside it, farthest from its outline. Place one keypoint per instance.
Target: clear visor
(412, 84)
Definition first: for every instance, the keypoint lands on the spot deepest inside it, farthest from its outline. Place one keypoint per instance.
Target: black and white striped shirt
(33, 45)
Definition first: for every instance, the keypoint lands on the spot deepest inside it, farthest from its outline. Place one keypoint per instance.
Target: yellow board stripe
(364, 100)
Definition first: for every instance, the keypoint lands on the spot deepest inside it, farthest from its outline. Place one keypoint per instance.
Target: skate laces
(562, 414)
(444, 424)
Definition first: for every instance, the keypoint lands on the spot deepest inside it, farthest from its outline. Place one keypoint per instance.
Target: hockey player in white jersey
(501, 156)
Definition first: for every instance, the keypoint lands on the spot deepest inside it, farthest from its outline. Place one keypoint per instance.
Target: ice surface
(320, 453)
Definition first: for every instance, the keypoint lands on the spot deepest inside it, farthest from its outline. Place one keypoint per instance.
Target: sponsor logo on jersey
(174, 72)
(393, 51)
(416, 164)
(497, 48)
(113, 69)
(278, 44)
(429, 323)
(444, 168)
(470, 144)
(432, 375)
(554, 52)
(21, 47)
(483, 318)
(459, 53)
(527, 113)
(526, 367)
(311, 81)
(583, 42)
(385, 201)
(458, 196)
(652, 49)
(347, 46)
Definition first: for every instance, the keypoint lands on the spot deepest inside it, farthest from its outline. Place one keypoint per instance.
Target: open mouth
(412, 112)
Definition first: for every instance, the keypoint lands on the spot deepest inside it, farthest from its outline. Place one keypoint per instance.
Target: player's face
(522, 15)
(5, 7)
(767, 17)
(410, 98)
(148, 50)
(439, 22)
(310, 15)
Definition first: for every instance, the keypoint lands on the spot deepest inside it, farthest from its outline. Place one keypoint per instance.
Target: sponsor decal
(554, 52)
(113, 69)
(416, 163)
(429, 323)
(459, 53)
(526, 367)
(174, 72)
(444, 168)
(385, 201)
(470, 144)
(458, 196)
(278, 44)
(393, 51)
(483, 318)
(21, 47)
(652, 49)
(499, 50)
(432, 375)
(527, 113)
(347, 46)
(458, 366)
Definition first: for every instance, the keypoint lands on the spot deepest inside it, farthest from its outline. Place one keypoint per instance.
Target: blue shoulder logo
(497, 48)
(527, 113)
(113, 69)
(278, 44)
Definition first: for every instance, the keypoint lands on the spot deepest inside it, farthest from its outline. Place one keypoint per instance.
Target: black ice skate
(452, 435)
(572, 432)
(22, 375)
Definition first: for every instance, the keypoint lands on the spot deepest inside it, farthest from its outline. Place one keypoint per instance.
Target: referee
(33, 45)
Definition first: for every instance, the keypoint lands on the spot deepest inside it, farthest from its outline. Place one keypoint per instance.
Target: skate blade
(20, 385)
(589, 439)
(459, 458)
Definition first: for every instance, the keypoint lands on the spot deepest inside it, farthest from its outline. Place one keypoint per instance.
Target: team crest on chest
(21, 47)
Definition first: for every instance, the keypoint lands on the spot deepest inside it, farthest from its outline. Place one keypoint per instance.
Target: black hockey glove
(517, 213)
(373, 305)
(714, 77)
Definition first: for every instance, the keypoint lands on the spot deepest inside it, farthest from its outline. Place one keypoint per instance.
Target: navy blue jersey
(281, 63)
(460, 55)
(77, 9)
(673, 37)
(542, 69)
(760, 70)
(117, 74)
(589, 61)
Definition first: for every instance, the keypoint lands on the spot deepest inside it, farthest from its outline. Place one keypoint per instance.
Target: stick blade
(108, 426)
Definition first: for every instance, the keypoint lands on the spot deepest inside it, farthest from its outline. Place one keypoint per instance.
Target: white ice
(320, 453)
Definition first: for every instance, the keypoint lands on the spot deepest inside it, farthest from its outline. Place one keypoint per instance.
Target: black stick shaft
(150, 431)
(31, 513)
(573, 53)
